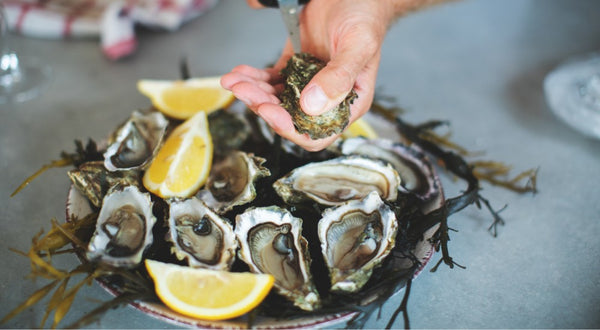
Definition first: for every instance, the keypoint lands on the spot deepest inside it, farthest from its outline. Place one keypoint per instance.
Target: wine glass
(21, 78)
(573, 93)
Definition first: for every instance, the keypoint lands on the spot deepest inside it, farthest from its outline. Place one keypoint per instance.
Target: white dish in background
(572, 91)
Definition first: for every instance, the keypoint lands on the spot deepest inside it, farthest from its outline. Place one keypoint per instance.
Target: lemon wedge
(208, 294)
(181, 99)
(182, 164)
(359, 128)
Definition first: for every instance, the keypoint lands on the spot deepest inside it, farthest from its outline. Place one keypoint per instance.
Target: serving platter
(78, 206)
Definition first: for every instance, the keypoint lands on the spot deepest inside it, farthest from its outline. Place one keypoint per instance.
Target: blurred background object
(573, 93)
(112, 21)
(21, 78)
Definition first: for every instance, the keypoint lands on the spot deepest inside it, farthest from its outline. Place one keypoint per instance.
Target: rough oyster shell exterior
(299, 71)
(93, 180)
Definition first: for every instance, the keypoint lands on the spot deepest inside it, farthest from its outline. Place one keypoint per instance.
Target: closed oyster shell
(124, 227)
(136, 142)
(338, 180)
(355, 238)
(299, 71)
(228, 130)
(200, 236)
(231, 181)
(271, 242)
(93, 180)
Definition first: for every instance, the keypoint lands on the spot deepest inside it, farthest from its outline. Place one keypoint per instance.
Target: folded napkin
(112, 21)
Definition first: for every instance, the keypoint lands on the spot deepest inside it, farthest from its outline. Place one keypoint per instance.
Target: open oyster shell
(299, 71)
(200, 236)
(271, 242)
(416, 173)
(124, 227)
(134, 144)
(355, 238)
(231, 181)
(338, 180)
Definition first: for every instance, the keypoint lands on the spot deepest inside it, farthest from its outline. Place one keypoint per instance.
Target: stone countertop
(479, 64)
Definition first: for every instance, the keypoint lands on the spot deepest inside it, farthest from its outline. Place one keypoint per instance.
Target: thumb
(329, 87)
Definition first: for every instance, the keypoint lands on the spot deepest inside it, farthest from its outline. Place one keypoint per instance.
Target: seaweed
(134, 285)
(471, 173)
(81, 155)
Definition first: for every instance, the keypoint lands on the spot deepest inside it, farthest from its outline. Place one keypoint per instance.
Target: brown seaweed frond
(497, 173)
(136, 285)
(43, 247)
(60, 235)
(81, 155)
(444, 141)
(44, 168)
(386, 106)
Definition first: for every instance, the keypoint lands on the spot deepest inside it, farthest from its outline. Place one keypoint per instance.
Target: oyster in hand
(299, 71)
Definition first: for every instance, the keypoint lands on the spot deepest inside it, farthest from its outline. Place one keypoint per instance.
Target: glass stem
(9, 62)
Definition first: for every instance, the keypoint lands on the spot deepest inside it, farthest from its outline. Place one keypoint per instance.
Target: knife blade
(290, 11)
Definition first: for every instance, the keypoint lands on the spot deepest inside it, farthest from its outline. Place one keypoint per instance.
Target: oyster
(228, 130)
(337, 180)
(93, 180)
(200, 236)
(135, 143)
(124, 227)
(355, 238)
(299, 71)
(416, 173)
(271, 242)
(268, 134)
(231, 181)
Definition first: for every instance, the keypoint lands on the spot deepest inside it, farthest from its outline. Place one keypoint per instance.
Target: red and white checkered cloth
(111, 20)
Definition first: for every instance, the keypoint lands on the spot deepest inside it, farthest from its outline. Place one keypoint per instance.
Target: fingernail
(315, 100)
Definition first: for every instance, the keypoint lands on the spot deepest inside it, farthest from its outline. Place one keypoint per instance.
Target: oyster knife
(289, 11)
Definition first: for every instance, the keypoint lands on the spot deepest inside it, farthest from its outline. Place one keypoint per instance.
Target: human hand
(348, 35)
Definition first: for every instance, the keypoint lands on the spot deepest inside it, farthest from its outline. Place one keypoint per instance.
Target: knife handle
(273, 3)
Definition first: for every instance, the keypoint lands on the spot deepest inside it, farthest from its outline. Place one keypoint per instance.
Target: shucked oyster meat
(136, 142)
(355, 238)
(231, 181)
(200, 236)
(271, 242)
(299, 71)
(124, 227)
(417, 175)
(337, 180)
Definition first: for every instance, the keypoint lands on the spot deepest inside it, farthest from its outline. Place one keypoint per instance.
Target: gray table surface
(478, 63)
